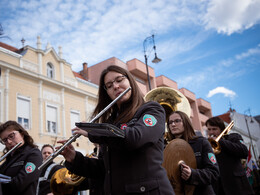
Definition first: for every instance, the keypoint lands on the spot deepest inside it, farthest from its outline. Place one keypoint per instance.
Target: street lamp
(251, 142)
(155, 60)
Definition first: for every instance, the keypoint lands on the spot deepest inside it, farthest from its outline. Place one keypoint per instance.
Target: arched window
(50, 70)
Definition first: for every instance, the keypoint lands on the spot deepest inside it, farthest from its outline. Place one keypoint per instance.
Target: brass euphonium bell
(63, 182)
(170, 99)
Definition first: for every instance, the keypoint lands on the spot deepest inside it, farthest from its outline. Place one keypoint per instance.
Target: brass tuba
(177, 151)
(215, 143)
(170, 99)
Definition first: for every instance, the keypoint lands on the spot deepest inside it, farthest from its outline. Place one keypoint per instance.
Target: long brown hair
(128, 108)
(28, 140)
(188, 133)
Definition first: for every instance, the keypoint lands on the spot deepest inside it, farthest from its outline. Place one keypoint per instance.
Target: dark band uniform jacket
(22, 167)
(207, 171)
(132, 165)
(233, 178)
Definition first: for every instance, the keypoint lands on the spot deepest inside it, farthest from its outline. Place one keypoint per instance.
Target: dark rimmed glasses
(11, 136)
(117, 80)
(176, 121)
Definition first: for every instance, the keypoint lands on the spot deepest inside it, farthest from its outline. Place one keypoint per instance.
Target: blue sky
(210, 47)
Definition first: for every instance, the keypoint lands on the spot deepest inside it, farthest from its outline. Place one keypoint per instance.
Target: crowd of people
(132, 162)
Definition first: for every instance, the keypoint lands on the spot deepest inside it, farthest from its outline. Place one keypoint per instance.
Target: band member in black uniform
(130, 165)
(233, 178)
(47, 172)
(22, 164)
(207, 172)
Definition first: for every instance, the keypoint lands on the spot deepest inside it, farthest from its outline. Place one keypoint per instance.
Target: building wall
(25, 75)
(249, 128)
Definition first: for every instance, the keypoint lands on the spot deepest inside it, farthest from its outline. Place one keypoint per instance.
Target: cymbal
(176, 151)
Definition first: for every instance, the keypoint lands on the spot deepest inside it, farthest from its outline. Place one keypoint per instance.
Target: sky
(210, 47)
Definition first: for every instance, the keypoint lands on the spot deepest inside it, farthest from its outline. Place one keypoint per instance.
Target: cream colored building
(39, 90)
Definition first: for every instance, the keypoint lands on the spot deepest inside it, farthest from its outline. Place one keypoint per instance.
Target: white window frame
(29, 123)
(50, 70)
(76, 112)
(46, 121)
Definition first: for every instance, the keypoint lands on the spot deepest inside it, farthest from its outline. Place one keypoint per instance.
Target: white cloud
(249, 52)
(223, 90)
(232, 16)
(97, 30)
(93, 31)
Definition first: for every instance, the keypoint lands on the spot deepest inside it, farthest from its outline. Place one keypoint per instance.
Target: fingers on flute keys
(77, 130)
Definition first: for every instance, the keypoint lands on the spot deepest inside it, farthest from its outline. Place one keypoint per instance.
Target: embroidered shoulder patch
(123, 126)
(149, 120)
(29, 167)
(212, 158)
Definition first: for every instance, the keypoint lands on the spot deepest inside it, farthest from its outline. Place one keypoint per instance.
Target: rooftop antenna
(23, 41)
(230, 106)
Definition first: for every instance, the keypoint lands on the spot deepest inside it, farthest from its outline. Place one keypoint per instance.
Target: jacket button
(142, 189)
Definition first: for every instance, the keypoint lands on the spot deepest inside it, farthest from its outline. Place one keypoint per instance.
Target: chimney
(84, 72)
(39, 44)
(60, 52)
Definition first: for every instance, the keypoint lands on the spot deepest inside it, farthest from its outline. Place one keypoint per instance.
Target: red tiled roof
(78, 75)
(9, 47)
(225, 117)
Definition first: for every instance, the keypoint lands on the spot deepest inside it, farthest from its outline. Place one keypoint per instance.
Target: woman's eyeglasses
(11, 136)
(117, 80)
(176, 121)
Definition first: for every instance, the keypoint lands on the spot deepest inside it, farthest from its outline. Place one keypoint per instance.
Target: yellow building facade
(39, 90)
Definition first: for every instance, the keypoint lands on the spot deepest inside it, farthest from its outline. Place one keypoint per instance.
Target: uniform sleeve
(93, 168)
(233, 145)
(208, 172)
(29, 172)
(148, 128)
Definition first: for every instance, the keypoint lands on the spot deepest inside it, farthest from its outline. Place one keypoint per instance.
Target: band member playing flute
(22, 164)
(133, 164)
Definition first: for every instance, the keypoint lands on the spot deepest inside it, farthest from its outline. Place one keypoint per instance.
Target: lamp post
(251, 142)
(155, 60)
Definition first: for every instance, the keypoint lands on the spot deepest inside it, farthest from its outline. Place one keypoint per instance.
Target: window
(74, 118)
(23, 111)
(51, 116)
(139, 80)
(50, 70)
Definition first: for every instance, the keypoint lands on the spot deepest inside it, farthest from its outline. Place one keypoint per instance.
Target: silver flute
(75, 136)
(7, 153)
